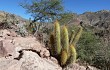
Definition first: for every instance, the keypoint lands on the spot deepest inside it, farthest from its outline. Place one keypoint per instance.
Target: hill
(14, 22)
(13, 27)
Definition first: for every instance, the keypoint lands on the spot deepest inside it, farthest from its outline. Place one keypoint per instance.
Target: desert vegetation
(70, 38)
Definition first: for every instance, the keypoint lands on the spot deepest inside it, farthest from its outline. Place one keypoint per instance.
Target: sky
(76, 6)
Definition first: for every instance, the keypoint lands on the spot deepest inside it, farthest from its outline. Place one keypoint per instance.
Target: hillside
(25, 52)
(99, 21)
(14, 22)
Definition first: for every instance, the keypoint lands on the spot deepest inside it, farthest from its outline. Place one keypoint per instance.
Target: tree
(43, 10)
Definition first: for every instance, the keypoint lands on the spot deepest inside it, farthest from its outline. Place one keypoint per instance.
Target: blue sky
(76, 6)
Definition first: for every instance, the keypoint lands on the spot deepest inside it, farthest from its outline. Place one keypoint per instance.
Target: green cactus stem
(64, 57)
(57, 37)
(73, 54)
(65, 39)
(77, 36)
(72, 36)
(52, 45)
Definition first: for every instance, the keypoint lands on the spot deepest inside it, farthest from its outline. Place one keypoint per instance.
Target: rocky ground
(26, 53)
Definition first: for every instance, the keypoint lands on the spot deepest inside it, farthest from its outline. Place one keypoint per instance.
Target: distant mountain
(93, 18)
(99, 21)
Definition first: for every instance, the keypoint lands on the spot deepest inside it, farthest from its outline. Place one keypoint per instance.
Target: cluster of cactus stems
(62, 46)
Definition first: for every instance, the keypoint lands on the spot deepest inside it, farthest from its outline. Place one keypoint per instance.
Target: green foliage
(87, 46)
(91, 50)
(66, 52)
(43, 10)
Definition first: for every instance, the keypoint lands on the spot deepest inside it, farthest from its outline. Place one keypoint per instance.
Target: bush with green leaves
(87, 46)
(91, 50)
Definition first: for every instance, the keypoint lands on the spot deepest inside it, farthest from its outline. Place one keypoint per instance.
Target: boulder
(29, 61)
(23, 53)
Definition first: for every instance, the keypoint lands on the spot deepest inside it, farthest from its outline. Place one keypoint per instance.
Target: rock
(78, 67)
(6, 48)
(30, 43)
(34, 62)
(10, 41)
(74, 67)
(54, 60)
(4, 33)
(2, 50)
(91, 68)
(23, 53)
(29, 61)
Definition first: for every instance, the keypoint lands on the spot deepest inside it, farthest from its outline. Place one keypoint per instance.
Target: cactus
(63, 47)
(52, 47)
(57, 37)
(73, 54)
(77, 36)
(65, 39)
(64, 57)
(72, 36)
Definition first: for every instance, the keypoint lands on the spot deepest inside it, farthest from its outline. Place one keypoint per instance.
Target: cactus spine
(63, 48)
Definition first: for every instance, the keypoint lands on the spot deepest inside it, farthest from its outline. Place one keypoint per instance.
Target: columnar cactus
(77, 36)
(72, 36)
(57, 37)
(65, 39)
(62, 46)
(64, 57)
(52, 45)
(73, 55)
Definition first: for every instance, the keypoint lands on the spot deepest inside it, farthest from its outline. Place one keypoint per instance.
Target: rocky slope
(26, 53)
(19, 53)
(14, 22)
(92, 18)
(99, 21)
